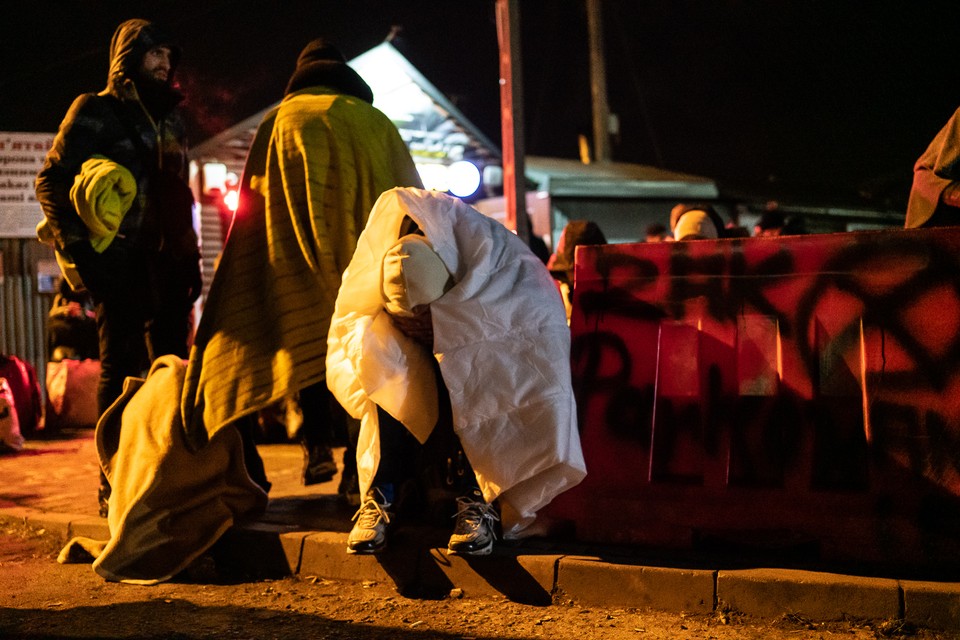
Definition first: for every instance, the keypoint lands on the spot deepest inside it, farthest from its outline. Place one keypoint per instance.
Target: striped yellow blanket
(316, 166)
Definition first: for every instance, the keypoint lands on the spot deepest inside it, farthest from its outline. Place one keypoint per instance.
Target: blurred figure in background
(773, 223)
(696, 222)
(561, 263)
(769, 224)
(657, 232)
(736, 231)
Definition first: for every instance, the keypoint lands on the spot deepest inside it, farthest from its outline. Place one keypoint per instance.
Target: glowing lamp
(231, 199)
(463, 178)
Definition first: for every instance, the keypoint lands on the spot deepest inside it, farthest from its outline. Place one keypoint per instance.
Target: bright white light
(464, 178)
(231, 198)
(433, 176)
(214, 177)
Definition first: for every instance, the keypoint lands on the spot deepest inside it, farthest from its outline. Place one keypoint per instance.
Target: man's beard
(159, 97)
(158, 76)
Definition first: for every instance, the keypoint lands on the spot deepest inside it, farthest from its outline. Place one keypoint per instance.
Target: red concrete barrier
(800, 392)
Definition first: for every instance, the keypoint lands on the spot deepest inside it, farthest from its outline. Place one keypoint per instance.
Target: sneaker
(369, 533)
(474, 533)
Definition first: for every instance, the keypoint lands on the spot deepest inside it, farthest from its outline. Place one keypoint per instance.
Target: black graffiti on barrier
(729, 286)
(852, 271)
(726, 282)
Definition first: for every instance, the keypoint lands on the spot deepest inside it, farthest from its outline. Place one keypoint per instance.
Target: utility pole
(511, 116)
(598, 83)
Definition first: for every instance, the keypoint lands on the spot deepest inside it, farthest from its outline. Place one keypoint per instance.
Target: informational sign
(21, 157)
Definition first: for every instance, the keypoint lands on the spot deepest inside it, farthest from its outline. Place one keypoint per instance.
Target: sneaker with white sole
(369, 533)
(474, 531)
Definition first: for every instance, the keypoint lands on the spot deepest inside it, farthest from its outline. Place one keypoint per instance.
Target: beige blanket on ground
(169, 504)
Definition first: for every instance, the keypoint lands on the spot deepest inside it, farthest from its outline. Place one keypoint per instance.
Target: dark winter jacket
(117, 123)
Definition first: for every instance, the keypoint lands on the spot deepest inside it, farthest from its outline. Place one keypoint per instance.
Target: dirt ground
(42, 599)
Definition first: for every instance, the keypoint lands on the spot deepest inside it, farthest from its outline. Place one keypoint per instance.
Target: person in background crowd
(561, 263)
(696, 222)
(736, 231)
(770, 224)
(143, 274)
(317, 164)
(935, 195)
(656, 232)
(774, 223)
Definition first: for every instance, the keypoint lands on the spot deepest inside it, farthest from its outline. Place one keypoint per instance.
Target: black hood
(130, 42)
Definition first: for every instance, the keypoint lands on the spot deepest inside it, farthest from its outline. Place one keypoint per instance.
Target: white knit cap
(695, 225)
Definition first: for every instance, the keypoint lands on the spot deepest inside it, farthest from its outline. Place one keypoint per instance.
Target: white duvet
(502, 342)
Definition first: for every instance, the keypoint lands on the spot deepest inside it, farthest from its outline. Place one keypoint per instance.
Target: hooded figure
(318, 162)
(132, 122)
(145, 281)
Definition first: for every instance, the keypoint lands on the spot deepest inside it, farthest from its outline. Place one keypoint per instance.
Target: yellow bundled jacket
(102, 194)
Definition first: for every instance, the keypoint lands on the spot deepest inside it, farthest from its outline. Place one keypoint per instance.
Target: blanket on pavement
(168, 504)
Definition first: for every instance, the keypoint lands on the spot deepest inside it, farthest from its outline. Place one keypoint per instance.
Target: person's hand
(951, 195)
(93, 273)
(418, 327)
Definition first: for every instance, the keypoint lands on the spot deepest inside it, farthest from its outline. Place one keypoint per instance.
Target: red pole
(511, 116)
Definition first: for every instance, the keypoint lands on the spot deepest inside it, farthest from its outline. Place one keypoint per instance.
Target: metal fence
(23, 306)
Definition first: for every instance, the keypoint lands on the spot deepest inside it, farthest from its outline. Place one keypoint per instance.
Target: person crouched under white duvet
(443, 313)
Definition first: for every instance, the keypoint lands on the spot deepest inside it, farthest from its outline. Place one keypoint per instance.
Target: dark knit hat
(321, 63)
(319, 49)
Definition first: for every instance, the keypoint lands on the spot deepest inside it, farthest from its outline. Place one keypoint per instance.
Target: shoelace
(370, 512)
(475, 512)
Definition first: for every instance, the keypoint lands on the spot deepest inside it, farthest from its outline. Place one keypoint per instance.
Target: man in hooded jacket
(146, 279)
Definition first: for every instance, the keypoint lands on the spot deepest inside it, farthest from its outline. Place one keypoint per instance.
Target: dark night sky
(820, 100)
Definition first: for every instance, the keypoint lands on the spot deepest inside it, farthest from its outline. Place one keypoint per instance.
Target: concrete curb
(417, 564)
(768, 593)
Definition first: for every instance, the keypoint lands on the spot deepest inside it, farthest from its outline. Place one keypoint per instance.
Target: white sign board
(21, 157)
